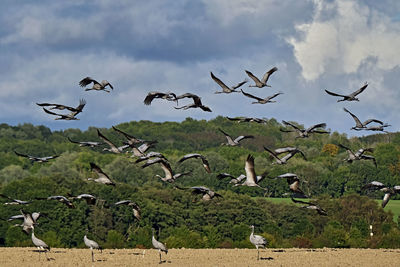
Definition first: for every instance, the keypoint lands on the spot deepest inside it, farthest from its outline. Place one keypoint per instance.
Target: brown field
(203, 257)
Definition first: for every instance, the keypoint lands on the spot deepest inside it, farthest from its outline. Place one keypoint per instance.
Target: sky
(48, 46)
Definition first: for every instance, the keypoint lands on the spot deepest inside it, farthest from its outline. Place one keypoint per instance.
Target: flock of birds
(139, 149)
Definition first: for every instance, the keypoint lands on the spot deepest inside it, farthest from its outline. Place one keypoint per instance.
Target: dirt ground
(202, 257)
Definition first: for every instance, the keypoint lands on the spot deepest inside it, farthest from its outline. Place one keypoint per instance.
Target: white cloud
(341, 43)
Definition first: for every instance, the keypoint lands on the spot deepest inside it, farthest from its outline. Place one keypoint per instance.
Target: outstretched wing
(358, 122)
(86, 81)
(359, 91)
(291, 124)
(267, 74)
(334, 94)
(252, 96)
(319, 125)
(239, 84)
(254, 78)
(220, 83)
(108, 142)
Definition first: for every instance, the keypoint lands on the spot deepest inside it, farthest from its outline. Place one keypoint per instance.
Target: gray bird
(102, 176)
(40, 244)
(206, 165)
(142, 149)
(252, 179)
(290, 150)
(36, 159)
(15, 201)
(92, 245)
(29, 220)
(135, 207)
(247, 119)
(389, 191)
(260, 100)
(60, 199)
(152, 95)
(196, 102)
(234, 142)
(311, 206)
(258, 241)
(69, 116)
(130, 139)
(169, 175)
(363, 125)
(304, 133)
(150, 155)
(158, 245)
(112, 148)
(350, 97)
(264, 80)
(226, 89)
(96, 85)
(85, 143)
(359, 155)
(293, 182)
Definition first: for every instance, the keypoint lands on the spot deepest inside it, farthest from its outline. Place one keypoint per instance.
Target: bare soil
(202, 257)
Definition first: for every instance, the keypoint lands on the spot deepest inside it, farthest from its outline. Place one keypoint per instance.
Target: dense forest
(177, 214)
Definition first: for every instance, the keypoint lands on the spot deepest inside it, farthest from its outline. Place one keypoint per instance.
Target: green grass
(393, 205)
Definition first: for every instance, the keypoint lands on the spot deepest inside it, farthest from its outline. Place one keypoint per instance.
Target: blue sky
(141, 46)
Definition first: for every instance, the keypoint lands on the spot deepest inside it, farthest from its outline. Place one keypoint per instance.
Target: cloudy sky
(48, 46)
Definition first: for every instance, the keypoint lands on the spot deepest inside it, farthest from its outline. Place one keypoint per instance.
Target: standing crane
(40, 244)
(258, 241)
(158, 245)
(92, 245)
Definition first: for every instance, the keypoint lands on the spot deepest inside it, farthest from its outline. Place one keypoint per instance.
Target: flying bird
(14, 201)
(71, 115)
(102, 176)
(350, 97)
(169, 175)
(234, 142)
(260, 100)
(233, 179)
(258, 241)
(363, 125)
(141, 150)
(252, 179)
(389, 191)
(197, 102)
(207, 193)
(36, 159)
(130, 139)
(206, 165)
(264, 80)
(135, 207)
(304, 133)
(311, 206)
(167, 96)
(78, 109)
(293, 182)
(247, 119)
(90, 199)
(226, 89)
(112, 148)
(60, 199)
(290, 150)
(359, 155)
(85, 143)
(29, 220)
(149, 155)
(96, 85)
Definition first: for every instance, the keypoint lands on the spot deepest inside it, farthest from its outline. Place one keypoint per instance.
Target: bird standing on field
(258, 241)
(158, 245)
(92, 245)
